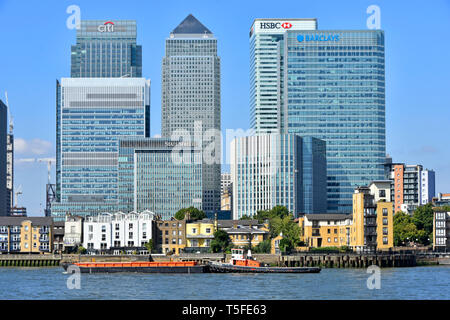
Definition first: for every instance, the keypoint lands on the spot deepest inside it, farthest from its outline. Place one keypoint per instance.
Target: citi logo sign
(275, 25)
(108, 26)
(317, 37)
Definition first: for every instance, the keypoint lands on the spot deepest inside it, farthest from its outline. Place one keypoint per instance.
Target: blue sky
(35, 51)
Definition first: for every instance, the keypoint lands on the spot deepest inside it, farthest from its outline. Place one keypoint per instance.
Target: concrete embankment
(348, 260)
(330, 260)
(29, 260)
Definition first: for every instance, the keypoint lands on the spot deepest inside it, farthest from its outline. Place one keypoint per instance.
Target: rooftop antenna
(11, 120)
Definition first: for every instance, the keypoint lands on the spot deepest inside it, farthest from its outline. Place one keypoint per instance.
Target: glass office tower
(5, 206)
(106, 49)
(314, 173)
(159, 175)
(94, 113)
(333, 88)
(324, 84)
(266, 65)
(191, 96)
(278, 169)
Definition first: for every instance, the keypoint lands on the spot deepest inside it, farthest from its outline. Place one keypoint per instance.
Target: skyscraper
(106, 49)
(9, 170)
(330, 85)
(4, 204)
(266, 67)
(104, 100)
(277, 169)
(94, 114)
(159, 175)
(191, 96)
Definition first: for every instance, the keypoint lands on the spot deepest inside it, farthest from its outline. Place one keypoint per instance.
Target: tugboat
(249, 265)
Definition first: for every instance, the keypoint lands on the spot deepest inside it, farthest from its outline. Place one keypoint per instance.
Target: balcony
(44, 230)
(43, 239)
(3, 231)
(44, 248)
(15, 231)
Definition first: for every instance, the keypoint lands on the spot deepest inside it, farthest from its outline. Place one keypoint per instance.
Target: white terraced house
(117, 232)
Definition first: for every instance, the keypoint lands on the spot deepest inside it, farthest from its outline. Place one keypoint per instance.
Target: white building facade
(117, 232)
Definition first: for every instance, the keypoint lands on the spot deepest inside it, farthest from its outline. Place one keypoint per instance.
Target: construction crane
(18, 191)
(11, 120)
(50, 188)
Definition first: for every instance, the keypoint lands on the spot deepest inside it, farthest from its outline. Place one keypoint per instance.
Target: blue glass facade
(94, 113)
(157, 175)
(278, 169)
(333, 87)
(314, 171)
(106, 49)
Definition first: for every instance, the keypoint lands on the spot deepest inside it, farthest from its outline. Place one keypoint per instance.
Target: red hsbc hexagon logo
(287, 25)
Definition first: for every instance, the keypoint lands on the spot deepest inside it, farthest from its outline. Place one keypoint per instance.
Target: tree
(262, 247)
(285, 245)
(277, 211)
(150, 245)
(221, 241)
(246, 217)
(423, 219)
(194, 213)
(405, 230)
(81, 250)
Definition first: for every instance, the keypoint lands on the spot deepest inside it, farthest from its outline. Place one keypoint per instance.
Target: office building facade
(331, 86)
(94, 113)
(106, 49)
(4, 195)
(160, 175)
(314, 175)
(266, 60)
(267, 170)
(191, 98)
(9, 172)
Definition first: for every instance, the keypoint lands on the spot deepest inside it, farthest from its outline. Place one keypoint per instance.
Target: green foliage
(150, 245)
(195, 214)
(423, 219)
(262, 247)
(281, 221)
(246, 217)
(277, 211)
(221, 241)
(81, 250)
(405, 230)
(285, 245)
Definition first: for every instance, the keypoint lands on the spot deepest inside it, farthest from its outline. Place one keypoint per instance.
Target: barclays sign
(317, 37)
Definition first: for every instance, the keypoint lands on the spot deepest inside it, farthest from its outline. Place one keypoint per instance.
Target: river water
(432, 282)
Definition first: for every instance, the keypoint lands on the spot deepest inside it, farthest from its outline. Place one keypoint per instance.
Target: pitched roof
(231, 223)
(17, 221)
(328, 216)
(190, 25)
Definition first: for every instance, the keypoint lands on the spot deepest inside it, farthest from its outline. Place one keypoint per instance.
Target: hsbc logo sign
(275, 25)
(108, 26)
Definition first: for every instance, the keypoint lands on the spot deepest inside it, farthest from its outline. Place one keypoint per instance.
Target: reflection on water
(400, 283)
